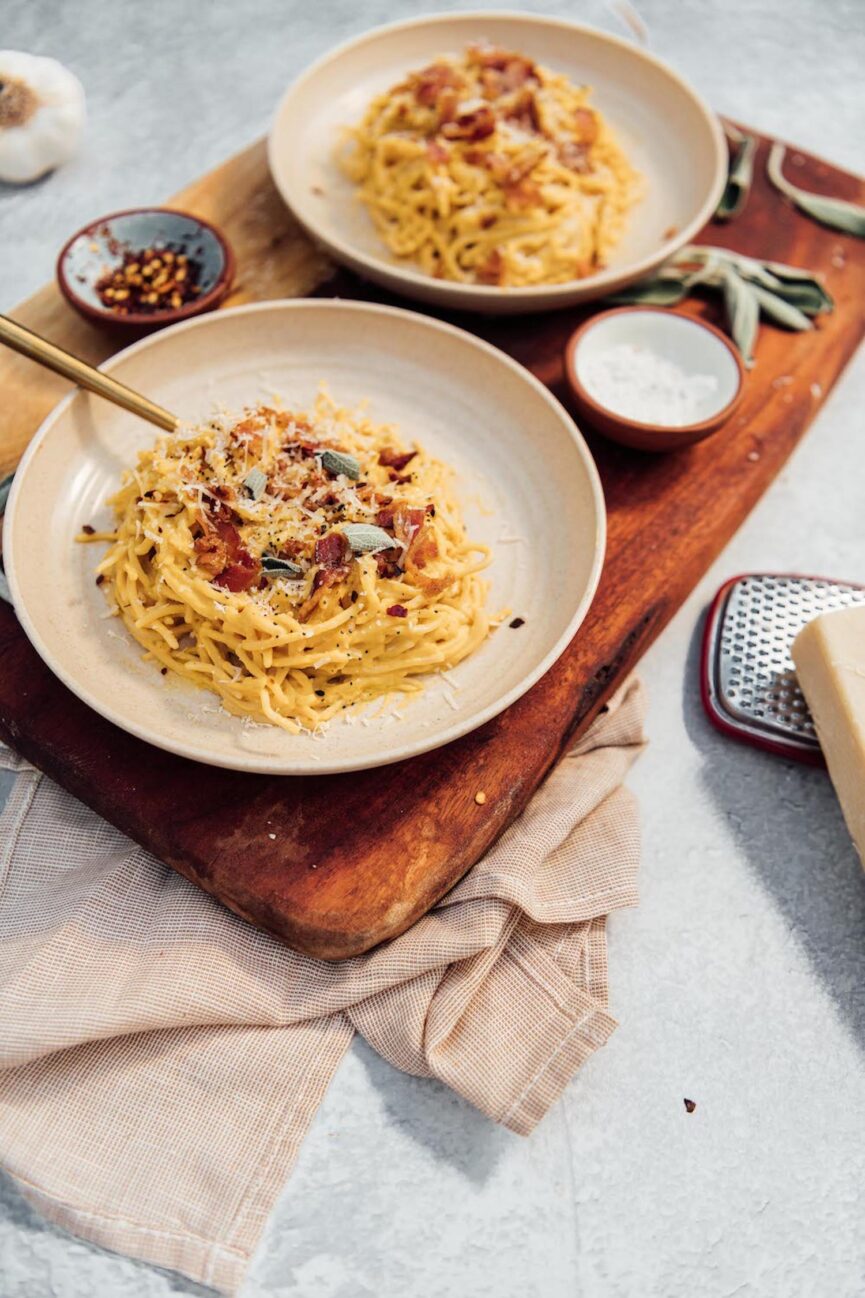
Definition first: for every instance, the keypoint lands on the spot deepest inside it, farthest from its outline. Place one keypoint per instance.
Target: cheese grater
(748, 680)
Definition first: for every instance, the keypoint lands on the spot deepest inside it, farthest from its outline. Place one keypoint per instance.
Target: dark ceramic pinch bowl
(99, 248)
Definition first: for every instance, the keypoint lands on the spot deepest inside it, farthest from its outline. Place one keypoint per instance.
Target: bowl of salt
(653, 379)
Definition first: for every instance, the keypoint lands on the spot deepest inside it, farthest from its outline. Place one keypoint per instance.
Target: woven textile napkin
(161, 1060)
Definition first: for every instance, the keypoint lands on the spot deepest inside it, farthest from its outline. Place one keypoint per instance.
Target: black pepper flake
(354, 597)
(320, 693)
(164, 671)
(88, 530)
(690, 1105)
(517, 622)
(100, 579)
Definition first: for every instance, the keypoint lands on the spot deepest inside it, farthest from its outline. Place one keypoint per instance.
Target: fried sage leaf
(837, 213)
(739, 177)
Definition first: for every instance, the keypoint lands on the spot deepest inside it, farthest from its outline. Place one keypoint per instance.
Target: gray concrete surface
(739, 982)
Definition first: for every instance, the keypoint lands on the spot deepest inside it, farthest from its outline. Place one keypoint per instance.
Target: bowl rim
(172, 315)
(462, 294)
(198, 750)
(596, 408)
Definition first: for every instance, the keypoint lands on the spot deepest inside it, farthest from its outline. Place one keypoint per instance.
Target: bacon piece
(392, 459)
(423, 549)
(333, 553)
(523, 112)
(242, 574)
(220, 544)
(397, 610)
(524, 194)
(407, 521)
(575, 156)
(491, 270)
(332, 550)
(429, 84)
(291, 549)
(490, 56)
(476, 125)
(388, 562)
(586, 125)
(398, 479)
(384, 518)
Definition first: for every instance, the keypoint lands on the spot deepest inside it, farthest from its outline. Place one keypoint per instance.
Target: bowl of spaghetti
(347, 554)
(497, 162)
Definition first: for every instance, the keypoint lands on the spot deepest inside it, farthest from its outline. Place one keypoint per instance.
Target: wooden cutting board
(357, 858)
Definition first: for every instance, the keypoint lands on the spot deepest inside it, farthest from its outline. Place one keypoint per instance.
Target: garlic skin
(42, 115)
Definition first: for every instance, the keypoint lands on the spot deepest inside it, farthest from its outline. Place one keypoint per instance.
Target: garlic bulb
(41, 115)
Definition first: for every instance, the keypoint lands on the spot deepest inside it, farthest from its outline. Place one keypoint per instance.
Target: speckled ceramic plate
(669, 134)
(527, 480)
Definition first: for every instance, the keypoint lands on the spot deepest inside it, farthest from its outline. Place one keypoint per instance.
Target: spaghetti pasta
(295, 564)
(490, 169)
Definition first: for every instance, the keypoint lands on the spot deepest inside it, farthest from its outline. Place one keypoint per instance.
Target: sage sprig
(787, 295)
(837, 213)
(740, 174)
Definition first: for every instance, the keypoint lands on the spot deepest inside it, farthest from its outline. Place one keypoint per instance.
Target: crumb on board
(480, 797)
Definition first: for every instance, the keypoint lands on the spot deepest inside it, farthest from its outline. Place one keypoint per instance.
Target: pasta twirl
(490, 169)
(295, 563)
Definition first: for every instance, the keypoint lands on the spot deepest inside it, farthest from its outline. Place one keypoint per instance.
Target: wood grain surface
(357, 858)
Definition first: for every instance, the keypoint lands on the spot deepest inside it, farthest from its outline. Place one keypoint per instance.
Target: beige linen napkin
(161, 1060)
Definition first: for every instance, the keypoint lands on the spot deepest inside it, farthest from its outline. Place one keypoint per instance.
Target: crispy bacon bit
(489, 56)
(387, 562)
(392, 459)
(407, 521)
(523, 112)
(575, 156)
(242, 574)
(291, 549)
(397, 610)
(423, 549)
(476, 125)
(384, 518)
(524, 194)
(491, 270)
(432, 81)
(508, 73)
(332, 550)
(586, 125)
(436, 153)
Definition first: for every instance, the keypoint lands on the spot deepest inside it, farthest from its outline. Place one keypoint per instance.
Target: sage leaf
(651, 292)
(273, 566)
(5, 592)
(739, 178)
(336, 462)
(255, 483)
(782, 312)
(364, 538)
(837, 213)
(811, 298)
(743, 313)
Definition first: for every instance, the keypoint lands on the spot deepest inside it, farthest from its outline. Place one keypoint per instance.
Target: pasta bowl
(532, 499)
(667, 132)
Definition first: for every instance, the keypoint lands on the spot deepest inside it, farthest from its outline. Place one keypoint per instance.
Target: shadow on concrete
(445, 1124)
(788, 824)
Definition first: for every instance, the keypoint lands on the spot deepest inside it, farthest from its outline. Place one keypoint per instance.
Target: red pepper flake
(690, 1105)
(517, 622)
(150, 280)
(397, 610)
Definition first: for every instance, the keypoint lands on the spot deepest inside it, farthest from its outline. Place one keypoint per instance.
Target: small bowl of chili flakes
(147, 267)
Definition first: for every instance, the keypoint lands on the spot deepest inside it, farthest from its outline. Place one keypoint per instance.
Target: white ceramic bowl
(527, 479)
(670, 135)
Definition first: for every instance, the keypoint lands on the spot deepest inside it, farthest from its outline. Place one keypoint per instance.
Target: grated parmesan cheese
(639, 384)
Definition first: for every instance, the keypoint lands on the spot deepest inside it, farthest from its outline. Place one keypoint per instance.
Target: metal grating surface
(755, 680)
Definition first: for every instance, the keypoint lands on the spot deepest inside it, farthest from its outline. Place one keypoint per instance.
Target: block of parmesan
(829, 654)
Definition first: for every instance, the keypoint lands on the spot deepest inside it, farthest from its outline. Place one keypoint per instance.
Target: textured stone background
(740, 981)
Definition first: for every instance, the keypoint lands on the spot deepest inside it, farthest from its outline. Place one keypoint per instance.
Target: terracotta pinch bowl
(694, 346)
(99, 248)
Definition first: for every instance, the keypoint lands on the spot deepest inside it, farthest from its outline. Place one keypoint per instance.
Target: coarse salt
(639, 384)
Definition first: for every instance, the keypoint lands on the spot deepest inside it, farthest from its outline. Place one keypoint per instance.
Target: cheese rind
(829, 654)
